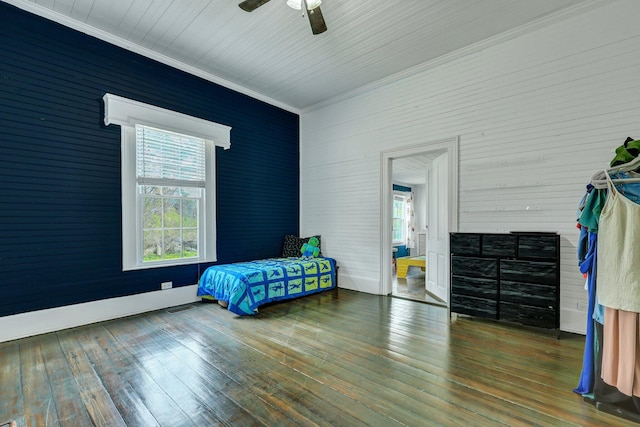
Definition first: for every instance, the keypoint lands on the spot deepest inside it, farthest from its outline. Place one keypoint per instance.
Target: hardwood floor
(413, 287)
(334, 359)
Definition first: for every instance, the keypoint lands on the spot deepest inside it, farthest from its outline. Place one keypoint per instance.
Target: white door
(437, 277)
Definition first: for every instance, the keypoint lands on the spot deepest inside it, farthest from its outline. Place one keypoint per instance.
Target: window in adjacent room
(399, 221)
(168, 184)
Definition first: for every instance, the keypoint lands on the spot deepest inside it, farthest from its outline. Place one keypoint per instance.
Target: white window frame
(403, 195)
(127, 113)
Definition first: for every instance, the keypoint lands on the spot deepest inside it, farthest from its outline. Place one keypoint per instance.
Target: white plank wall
(537, 115)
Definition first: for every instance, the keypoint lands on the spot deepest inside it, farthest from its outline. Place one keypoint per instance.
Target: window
(399, 222)
(171, 181)
(168, 184)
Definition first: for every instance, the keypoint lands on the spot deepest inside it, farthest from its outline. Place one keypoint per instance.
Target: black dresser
(512, 276)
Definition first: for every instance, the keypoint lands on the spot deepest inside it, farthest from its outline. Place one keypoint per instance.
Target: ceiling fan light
(295, 4)
(312, 4)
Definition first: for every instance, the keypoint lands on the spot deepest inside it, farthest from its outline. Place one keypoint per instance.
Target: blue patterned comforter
(248, 285)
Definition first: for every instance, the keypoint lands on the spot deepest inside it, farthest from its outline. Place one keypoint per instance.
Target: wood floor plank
(408, 387)
(94, 396)
(179, 357)
(306, 395)
(39, 404)
(225, 359)
(353, 386)
(310, 395)
(130, 406)
(11, 401)
(372, 373)
(405, 388)
(159, 403)
(334, 359)
(503, 391)
(169, 372)
(214, 371)
(68, 403)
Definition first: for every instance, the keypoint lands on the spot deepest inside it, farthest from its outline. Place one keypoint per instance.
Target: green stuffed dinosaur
(310, 249)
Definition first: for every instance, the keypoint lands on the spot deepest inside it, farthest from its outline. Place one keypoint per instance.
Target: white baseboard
(573, 321)
(358, 283)
(54, 319)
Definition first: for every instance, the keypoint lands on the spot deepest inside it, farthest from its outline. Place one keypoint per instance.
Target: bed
(245, 286)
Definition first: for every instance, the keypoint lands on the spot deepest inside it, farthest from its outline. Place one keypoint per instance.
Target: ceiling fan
(312, 6)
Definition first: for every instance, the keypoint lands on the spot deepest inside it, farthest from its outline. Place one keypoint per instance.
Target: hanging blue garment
(583, 245)
(630, 191)
(583, 201)
(588, 266)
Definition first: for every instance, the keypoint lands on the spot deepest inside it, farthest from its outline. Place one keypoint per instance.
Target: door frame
(386, 194)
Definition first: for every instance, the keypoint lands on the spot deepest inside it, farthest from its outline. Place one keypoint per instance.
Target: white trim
(209, 232)
(572, 320)
(54, 319)
(127, 112)
(403, 195)
(52, 15)
(358, 283)
(130, 222)
(450, 145)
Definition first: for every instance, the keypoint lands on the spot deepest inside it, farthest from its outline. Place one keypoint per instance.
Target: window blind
(169, 158)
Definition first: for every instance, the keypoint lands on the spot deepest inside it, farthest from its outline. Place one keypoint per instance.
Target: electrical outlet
(166, 285)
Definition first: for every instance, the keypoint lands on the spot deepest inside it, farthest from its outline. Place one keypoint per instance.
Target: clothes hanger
(599, 179)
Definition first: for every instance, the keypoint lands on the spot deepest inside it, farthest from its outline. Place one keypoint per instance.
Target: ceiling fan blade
(316, 20)
(251, 5)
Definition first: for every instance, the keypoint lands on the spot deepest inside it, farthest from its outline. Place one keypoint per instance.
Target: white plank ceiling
(270, 53)
(412, 170)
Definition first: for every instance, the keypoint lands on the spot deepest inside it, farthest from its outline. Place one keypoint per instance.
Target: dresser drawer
(544, 273)
(538, 246)
(544, 296)
(474, 286)
(528, 315)
(503, 245)
(465, 243)
(474, 267)
(474, 306)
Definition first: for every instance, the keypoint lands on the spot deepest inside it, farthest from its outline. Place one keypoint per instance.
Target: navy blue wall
(60, 196)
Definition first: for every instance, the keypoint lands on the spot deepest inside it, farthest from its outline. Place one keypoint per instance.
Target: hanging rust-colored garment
(621, 350)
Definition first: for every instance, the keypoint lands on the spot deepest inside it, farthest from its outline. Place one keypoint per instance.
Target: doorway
(441, 183)
(410, 219)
